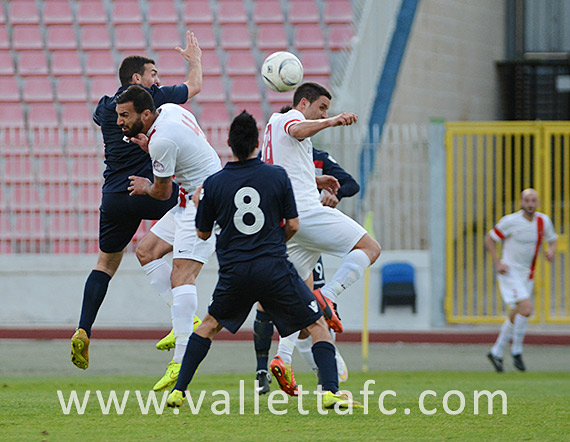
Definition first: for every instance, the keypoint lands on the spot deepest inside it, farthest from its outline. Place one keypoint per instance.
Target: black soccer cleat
(497, 362)
(518, 362)
(264, 379)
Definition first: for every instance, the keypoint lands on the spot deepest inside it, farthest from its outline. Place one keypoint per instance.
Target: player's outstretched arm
(193, 55)
(308, 128)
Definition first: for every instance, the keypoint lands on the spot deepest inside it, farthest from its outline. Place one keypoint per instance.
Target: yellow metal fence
(488, 165)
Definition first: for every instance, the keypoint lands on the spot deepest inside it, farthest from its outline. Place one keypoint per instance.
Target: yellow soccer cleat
(169, 341)
(175, 399)
(80, 349)
(170, 377)
(330, 399)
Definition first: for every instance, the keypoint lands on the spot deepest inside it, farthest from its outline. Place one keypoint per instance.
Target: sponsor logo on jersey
(313, 306)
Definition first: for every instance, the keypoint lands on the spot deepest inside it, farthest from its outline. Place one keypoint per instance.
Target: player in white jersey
(177, 146)
(322, 229)
(522, 233)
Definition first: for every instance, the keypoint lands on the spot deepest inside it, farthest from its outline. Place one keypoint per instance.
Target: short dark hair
(140, 97)
(133, 64)
(310, 91)
(243, 136)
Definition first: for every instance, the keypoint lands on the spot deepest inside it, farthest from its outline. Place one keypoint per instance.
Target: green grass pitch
(538, 408)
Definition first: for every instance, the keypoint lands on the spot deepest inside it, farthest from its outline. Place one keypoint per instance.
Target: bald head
(529, 202)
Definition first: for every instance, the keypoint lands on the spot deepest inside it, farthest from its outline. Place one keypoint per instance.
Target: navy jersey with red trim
(326, 165)
(123, 159)
(248, 201)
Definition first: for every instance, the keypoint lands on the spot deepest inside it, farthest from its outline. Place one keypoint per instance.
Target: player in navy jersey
(249, 200)
(121, 214)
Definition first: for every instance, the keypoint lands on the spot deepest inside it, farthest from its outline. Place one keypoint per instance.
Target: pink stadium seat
(4, 41)
(338, 11)
(268, 12)
(11, 114)
(205, 35)
(254, 108)
(61, 37)
(308, 37)
(56, 197)
(162, 12)
(32, 63)
(279, 99)
(88, 196)
(272, 37)
(212, 91)
(91, 12)
(29, 232)
(100, 63)
(321, 79)
(2, 16)
(94, 37)
(103, 86)
(165, 37)
(26, 37)
(65, 63)
(86, 170)
(126, 12)
(245, 89)
(240, 63)
(42, 114)
(197, 11)
(89, 228)
(76, 114)
(6, 64)
(340, 37)
(18, 168)
(235, 36)
(57, 12)
(214, 114)
(303, 11)
(71, 89)
(9, 90)
(231, 11)
(52, 168)
(211, 63)
(63, 232)
(23, 12)
(37, 90)
(171, 63)
(315, 62)
(129, 38)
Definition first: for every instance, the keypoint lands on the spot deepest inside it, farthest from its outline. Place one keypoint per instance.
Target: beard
(135, 129)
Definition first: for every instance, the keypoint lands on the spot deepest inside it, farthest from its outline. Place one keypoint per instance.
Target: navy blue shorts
(121, 214)
(273, 282)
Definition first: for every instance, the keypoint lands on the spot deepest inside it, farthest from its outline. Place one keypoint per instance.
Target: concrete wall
(448, 69)
(46, 291)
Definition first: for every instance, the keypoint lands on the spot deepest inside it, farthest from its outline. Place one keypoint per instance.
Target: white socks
(304, 347)
(350, 271)
(519, 331)
(503, 339)
(286, 347)
(185, 303)
(158, 272)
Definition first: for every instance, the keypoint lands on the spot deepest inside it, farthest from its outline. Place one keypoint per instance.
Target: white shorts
(322, 230)
(178, 228)
(515, 287)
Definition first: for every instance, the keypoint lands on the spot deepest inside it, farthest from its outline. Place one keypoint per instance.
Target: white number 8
(244, 208)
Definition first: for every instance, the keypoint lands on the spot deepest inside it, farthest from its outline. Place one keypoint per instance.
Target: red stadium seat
(240, 63)
(86, 170)
(38, 89)
(205, 35)
(231, 11)
(57, 12)
(23, 12)
(9, 90)
(214, 114)
(308, 37)
(91, 12)
(100, 63)
(126, 12)
(245, 89)
(165, 37)
(129, 38)
(18, 168)
(52, 168)
(61, 37)
(26, 37)
(211, 63)
(88, 196)
(32, 63)
(63, 232)
(6, 64)
(197, 11)
(303, 11)
(268, 12)
(94, 37)
(340, 37)
(162, 12)
(11, 114)
(29, 234)
(338, 11)
(71, 89)
(171, 63)
(272, 37)
(4, 40)
(103, 85)
(43, 114)
(235, 36)
(76, 114)
(315, 62)
(65, 63)
(212, 91)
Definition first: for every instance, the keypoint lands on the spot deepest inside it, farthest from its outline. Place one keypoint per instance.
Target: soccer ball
(282, 71)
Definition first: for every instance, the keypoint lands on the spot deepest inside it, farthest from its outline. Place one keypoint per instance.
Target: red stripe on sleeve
(286, 127)
(498, 233)
(540, 234)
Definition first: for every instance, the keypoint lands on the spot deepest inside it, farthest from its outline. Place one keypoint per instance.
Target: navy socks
(93, 296)
(262, 334)
(324, 354)
(196, 351)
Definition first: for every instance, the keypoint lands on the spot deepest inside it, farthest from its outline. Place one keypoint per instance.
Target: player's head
(529, 201)
(313, 100)
(244, 136)
(135, 110)
(136, 69)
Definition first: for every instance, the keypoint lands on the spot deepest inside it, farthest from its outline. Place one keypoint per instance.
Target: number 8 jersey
(249, 201)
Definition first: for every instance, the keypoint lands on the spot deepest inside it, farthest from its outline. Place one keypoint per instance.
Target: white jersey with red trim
(177, 146)
(295, 156)
(522, 239)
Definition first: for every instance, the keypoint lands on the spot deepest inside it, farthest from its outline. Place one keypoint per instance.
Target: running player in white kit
(522, 233)
(322, 229)
(177, 146)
